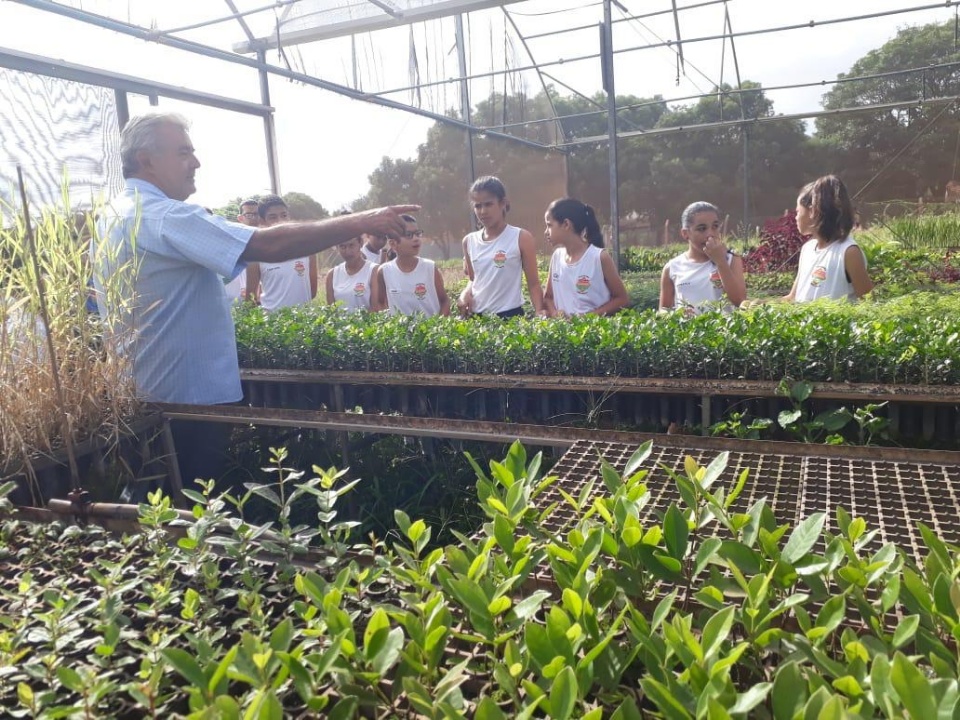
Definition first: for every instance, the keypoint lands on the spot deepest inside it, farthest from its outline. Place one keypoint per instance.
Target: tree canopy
(865, 143)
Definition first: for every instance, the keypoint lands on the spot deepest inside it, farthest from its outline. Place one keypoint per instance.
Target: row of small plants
(911, 339)
(711, 609)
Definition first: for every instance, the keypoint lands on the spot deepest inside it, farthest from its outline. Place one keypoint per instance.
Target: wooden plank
(545, 435)
(866, 392)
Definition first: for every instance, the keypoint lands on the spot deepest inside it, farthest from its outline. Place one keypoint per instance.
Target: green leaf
(803, 538)
(705, 554)
(833, 709)
(628, 710)
(572, 603)
(71, 679)
(751, 698)
(265, 706)
(503, 532)
(488, 710)
(416, 530)
(563, 694)
(371, 639)
(184, 663)
(905, 630)
(527, 608)
(716, 630)
(25, 694)
(714, 470)
(345, 709)
(801, 390)
(746, 560)
(789, 691)
(675, 532)
(831, 614)
(389, 653)
(786, 418)
(848, 685)
(403, 520)
(638, 458)
(282, 636)
(913, 688)
(664, 699)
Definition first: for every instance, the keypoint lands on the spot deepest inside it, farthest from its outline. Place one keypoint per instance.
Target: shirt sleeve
(205, 239)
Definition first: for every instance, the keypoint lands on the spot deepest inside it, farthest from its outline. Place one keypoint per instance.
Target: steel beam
(412, 14)
(50, 67)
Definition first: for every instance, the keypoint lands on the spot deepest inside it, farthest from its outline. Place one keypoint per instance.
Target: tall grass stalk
(919, 232)
(97, 393)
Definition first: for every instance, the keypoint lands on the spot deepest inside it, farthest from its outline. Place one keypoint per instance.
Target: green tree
(708, 164)
(865, 142)
(304, 207)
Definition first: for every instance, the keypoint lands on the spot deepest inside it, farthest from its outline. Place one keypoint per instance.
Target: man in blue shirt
(176, 325)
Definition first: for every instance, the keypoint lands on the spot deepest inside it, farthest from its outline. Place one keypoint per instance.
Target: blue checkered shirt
(179, 330)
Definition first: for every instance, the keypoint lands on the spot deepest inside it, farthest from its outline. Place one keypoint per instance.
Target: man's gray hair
(686, 217)
(140, 134)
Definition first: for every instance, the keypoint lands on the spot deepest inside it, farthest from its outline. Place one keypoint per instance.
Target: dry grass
(97, 388)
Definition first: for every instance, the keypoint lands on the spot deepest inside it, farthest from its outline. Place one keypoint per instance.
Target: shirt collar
(143, 187)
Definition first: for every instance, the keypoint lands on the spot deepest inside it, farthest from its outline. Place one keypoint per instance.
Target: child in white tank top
(831, 265)
(497, 257)
(351, 282)
(409, 284)
(707, 272)
(582, 278)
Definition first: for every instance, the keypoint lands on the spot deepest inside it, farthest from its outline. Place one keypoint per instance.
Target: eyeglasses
(250, 216)
(413, 233)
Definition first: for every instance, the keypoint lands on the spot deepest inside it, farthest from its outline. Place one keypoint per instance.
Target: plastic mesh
(59, 132)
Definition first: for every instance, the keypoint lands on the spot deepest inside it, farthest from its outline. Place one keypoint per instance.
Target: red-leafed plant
(779, 248)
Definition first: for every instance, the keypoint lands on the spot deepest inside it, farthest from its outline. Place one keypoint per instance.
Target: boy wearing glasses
(236, 289)
(409, 284)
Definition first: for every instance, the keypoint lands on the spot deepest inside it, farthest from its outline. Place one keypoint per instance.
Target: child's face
(349, 250)
(804, 219)
(488, 208)
(376, 242)
(555, 232)
(409, 244)
(705, 225)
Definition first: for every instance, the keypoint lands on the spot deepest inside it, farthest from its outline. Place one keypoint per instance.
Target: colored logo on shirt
(299, 267)
(715, 280)
(359, 289)
(818, 275)
(583, 284)
(420, 290)
(500, 258)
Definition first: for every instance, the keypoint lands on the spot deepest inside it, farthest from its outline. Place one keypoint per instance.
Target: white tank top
(353, 290)
(823, 273)
(578, 288)
(369, 254)
(411, 292)
(497, 270)
(695, 283)
(285, 283)
(236, 289)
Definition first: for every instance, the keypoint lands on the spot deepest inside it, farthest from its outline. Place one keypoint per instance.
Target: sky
(328, 144)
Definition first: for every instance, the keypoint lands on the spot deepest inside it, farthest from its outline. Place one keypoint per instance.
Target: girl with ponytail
(832, 265)
(582, 277)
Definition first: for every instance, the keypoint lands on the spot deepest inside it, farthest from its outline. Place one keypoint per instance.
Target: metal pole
(606, 50)
(465, 98)
(123, 108)
(269, 126)
(745, 136)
